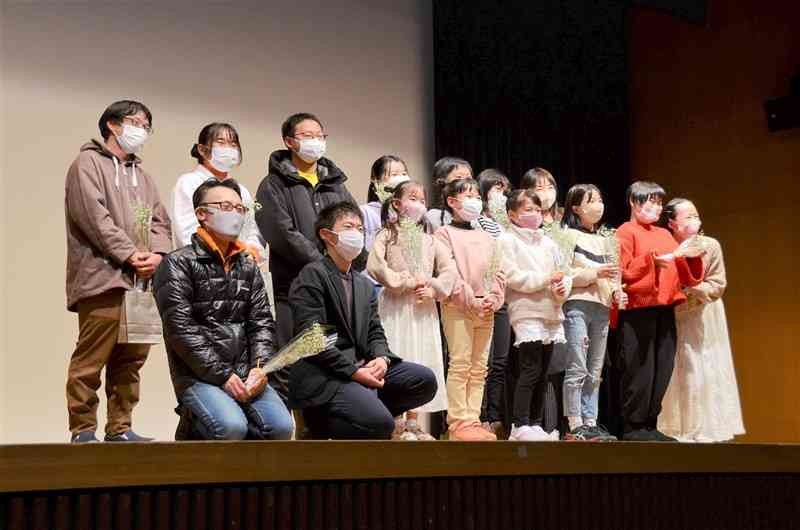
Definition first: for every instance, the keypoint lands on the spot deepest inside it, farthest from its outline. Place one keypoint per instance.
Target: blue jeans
(217, 416)
(586, 330)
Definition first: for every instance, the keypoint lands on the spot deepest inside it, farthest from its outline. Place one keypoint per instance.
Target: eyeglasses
(309, 136)
(136, 123)
(226, 206)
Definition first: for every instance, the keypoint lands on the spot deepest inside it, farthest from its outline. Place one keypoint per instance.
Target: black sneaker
(659, 436)
(127, 436)
(639, 435)
(84, 437)
(602, 434)
(584, 433)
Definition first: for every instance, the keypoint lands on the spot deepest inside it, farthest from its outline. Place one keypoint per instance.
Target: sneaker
(127, 436)
(639, 435)
(84, 437)
(658, 436)
(399, 430)
(530, 433)
(603, 433)
(470, 432)
(584, 433)
(414, 429)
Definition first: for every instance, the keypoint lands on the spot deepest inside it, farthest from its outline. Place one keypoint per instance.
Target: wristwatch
(388, 360)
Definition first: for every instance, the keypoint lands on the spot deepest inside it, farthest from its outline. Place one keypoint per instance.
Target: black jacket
(317, 295)
(216, 323)
(289, 209)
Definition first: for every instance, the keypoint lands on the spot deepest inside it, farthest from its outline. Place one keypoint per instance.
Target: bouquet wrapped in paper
(142, 223)
(611, 250)
(494, 266)
(313, 340)
(411, 237)
(565, 243)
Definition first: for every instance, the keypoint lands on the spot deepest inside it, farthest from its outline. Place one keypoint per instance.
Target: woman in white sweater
(217, 152)
(535, 291)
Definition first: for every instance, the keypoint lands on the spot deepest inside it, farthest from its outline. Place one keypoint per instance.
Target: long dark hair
(378, 171)
(575, 197)
(397, 194)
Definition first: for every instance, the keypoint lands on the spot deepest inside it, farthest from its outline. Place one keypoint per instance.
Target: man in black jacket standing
(355, 389)
(218, 328)
(300, 183)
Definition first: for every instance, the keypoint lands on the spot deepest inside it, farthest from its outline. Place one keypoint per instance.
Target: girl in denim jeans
(586, 311)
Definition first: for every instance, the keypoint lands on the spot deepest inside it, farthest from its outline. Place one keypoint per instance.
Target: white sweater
(529, 259)
(184, 221)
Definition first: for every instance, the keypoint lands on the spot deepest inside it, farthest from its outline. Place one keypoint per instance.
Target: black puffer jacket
(216, 323)
(289, 210)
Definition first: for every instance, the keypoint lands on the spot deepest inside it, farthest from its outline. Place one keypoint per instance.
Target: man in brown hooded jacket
(105, 189)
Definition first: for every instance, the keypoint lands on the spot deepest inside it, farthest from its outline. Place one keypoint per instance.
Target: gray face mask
(225, 223)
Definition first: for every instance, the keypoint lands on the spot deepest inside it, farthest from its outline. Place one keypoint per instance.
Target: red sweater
(646, 284)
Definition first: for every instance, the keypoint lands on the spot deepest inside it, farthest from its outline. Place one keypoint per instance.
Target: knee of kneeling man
(383, 427)
(428, 381)
(230, 429)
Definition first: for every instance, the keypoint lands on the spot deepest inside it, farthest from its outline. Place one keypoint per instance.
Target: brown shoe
(470, 432)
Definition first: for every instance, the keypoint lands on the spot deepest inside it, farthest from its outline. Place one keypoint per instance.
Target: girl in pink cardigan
(468, 313)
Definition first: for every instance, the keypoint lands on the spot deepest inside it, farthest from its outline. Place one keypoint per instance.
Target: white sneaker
(528, 433)
(520, 434)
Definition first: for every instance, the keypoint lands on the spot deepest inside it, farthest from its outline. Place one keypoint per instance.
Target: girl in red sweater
(654, 269)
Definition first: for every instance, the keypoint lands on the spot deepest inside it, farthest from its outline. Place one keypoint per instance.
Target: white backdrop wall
(364, 67)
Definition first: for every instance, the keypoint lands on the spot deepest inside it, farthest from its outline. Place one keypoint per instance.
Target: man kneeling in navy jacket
(355, 389)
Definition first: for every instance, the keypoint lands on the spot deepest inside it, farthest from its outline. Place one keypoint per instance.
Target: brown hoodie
(99, 215)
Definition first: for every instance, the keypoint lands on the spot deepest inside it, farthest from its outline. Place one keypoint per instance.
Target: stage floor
(43, 467)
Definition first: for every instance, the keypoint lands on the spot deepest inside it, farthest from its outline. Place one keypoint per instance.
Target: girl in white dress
(415, 270)
(702, 400)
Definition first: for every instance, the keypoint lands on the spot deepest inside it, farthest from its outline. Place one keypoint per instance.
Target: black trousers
(647, 357)
(284, 327)
(529, 395)
(356, 412)
(495, 390)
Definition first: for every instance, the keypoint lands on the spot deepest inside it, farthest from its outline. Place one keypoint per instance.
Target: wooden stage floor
(317, 484)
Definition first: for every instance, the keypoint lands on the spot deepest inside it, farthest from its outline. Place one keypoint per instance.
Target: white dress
(702, 400)
(412, 329)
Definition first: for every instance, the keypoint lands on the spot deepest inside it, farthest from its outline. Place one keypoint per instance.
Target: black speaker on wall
(784, 113)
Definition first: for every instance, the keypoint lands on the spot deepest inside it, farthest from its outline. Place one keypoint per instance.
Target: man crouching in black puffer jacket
(218, 328)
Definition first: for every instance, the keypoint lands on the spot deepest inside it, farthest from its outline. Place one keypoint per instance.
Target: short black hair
(642, 191)
(575, 197)
(119, 110)
(516, 196)
(209, 133)
(330, 214)
(290, 124)
(200, 193)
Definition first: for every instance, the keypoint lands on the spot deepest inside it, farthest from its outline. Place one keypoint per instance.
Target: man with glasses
(301, 182)
(106, 192)
(218, 327)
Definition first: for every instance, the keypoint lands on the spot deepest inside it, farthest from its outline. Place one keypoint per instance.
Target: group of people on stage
(426, 303)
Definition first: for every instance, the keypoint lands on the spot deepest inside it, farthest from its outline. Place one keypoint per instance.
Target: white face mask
(224, 159)
(225, 223)
(497, 200)
(132, 138)
(649, 213)
(311, 149)
(548, 198)
(413, 210)
(471, 209)
(396, 180)
(350, 244)
(593, 212)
